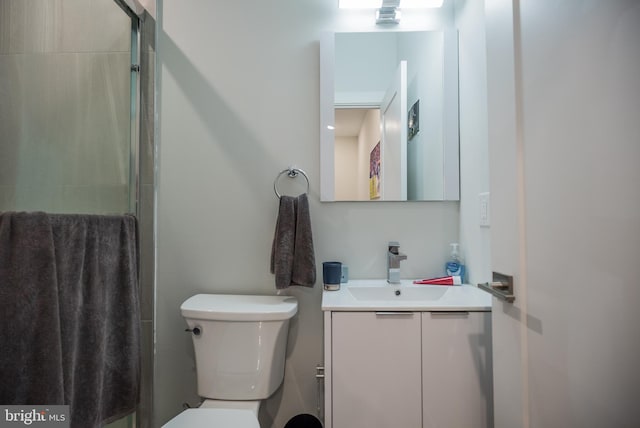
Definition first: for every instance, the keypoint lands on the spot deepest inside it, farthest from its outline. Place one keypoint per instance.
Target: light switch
(484, 209)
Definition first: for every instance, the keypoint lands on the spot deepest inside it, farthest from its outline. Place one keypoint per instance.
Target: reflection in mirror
(357, 132)
(389, 114)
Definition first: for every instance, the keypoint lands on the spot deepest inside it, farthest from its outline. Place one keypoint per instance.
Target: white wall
(474, 163)
(346, 170)
(352, 156)
(238, 102)
(425, 83)
(364, 65)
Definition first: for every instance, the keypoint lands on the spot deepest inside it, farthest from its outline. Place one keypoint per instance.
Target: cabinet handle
(406, 314)
(449, 313)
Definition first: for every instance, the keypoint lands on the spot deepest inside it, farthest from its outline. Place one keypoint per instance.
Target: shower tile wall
(64, 115)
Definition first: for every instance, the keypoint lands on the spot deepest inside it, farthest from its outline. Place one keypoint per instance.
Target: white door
(393, 153)
(563, 103)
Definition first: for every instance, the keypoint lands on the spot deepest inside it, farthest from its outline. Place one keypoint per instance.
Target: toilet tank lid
(228, 307)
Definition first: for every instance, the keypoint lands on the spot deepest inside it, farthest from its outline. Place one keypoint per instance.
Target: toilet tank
(240, 342)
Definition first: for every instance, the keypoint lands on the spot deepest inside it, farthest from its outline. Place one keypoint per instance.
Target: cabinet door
(456, 370)
(376, 369)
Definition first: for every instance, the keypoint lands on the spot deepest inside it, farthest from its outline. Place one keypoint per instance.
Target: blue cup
(331, 275)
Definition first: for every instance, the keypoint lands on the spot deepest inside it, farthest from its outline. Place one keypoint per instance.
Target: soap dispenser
(455, 266)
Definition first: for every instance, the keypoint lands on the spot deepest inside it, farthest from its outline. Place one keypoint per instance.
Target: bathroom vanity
(407, 355)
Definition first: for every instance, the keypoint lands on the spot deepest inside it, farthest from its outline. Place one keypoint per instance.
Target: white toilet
(240, 344)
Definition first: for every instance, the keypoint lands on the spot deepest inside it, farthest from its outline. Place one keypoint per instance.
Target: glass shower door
(68, 100)
(65, 115)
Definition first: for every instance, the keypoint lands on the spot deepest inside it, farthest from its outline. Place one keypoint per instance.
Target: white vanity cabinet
(375, 366)
(456, 370)
(414, 369)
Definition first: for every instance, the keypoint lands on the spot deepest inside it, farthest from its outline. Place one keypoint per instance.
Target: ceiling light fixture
(388, 13)
(377, 4)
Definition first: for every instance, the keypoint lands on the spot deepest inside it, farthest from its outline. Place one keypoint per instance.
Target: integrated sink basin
(379, 295)
(408, 293)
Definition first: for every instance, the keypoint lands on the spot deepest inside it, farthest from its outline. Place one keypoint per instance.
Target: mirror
(389, 116)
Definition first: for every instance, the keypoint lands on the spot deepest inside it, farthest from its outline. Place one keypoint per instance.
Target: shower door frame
(134, 138)
(134, 125)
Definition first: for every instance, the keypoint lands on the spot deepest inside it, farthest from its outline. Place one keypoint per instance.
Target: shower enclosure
(76, 123)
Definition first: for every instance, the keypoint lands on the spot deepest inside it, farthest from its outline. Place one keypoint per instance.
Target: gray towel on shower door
(97, 271)
(292, 254)
(69, 314)
(30, 347)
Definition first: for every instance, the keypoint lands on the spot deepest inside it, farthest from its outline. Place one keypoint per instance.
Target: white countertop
(454, 298)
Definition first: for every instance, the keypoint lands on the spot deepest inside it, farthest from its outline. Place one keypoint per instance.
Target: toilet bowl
(240, 346)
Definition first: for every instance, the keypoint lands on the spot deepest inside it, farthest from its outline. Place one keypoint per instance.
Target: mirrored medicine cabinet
(389, 116)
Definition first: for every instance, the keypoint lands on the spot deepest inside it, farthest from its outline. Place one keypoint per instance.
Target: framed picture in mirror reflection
(374, 172)
(413, 121)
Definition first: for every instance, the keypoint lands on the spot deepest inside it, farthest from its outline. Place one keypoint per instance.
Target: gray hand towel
(292, 254)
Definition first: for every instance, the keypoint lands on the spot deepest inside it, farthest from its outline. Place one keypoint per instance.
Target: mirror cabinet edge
(327, 116)
(451, 113)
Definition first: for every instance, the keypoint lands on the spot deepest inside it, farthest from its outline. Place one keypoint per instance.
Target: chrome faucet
(394, 257)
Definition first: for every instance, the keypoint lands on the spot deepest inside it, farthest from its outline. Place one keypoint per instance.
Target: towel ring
(292, 173)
